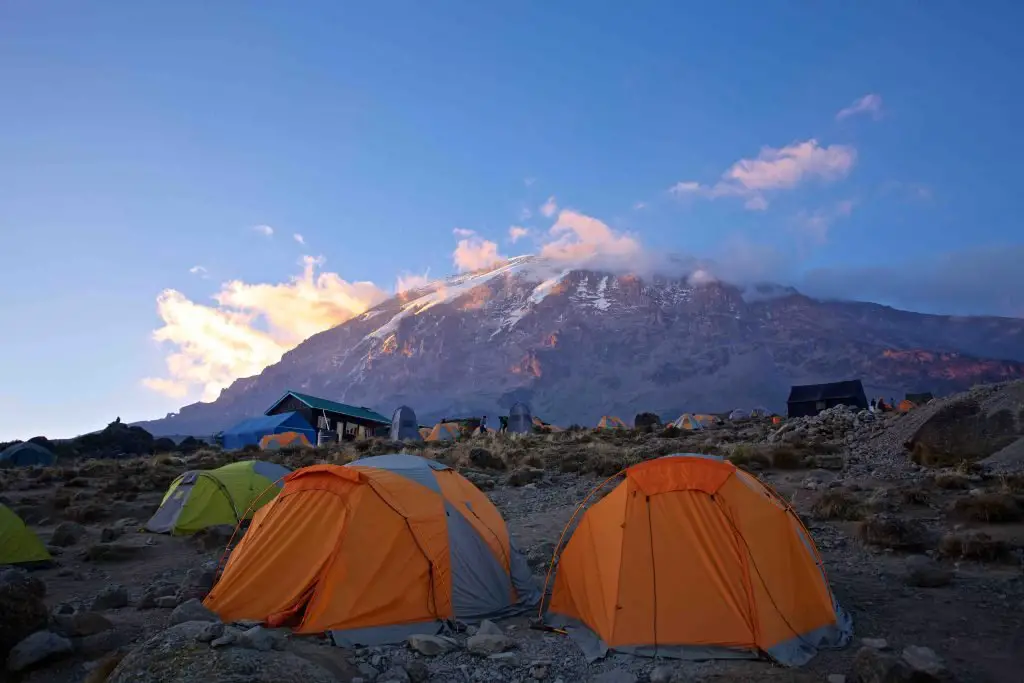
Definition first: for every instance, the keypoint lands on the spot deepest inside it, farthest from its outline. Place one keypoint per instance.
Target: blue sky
(141, 140)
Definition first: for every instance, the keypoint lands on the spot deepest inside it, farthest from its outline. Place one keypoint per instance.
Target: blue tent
(27, 453)
(250, 431)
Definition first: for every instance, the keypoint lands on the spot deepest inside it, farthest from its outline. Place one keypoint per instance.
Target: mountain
(578, 344)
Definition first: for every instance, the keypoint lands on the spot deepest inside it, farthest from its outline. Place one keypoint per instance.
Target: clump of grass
(893, 533)
(972, 545)
(915, 494)
(952, 481)
(1012, 483)
(786, 458)
(991, 508)
(837, 504)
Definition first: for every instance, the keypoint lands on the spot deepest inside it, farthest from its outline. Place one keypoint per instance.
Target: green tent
(227, 495)
(17, 542)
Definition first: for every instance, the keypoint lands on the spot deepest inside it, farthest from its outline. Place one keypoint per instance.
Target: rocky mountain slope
(578, 344)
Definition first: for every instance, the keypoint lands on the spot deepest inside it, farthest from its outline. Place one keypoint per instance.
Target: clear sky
(192, 150)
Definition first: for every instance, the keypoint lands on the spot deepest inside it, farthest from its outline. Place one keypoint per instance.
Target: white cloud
(409, 281)
(475, 253)
(516, 233)
(549, 208)
(299, 238)
(775, 169)
(198, 270)
(640, 206)
(462, 232)
(250, 327)
(263, 230)
(576, 237)
(869, 104)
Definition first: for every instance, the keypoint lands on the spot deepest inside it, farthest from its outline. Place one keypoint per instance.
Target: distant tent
(760, 411)
(611, 422)
(706, 420)
(537, 422)
(249, 432)
(404, 426)
(275, 442)
(520, 421)
(905, 406)
(18, 544)
(810, 399)
(921, 398)
(739, 414)
(424, 432)
(227, 495)
(25, 454)
(688, 422)
(445, 431)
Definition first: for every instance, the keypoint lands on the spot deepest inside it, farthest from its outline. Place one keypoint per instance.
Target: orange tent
(690, 557)
(611, 422)
(444, 431)
(374, 551)
(905, 406)
(273, 442)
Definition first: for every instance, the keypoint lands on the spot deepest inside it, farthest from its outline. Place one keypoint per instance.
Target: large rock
(67, 534)
(481, 457)
(430, 645)
(969, 429)
(176, 656)
(23, 611)
(198, 582)
(80, 624)
(114, 596)
(161, 589)
(191, 610)
(37, 648)
(486, 644)
(874, 666)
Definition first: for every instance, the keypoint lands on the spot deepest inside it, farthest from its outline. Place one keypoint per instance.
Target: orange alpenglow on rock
(690, 557)
(373, 552)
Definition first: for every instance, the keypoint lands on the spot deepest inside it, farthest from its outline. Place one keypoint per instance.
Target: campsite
(871, 551)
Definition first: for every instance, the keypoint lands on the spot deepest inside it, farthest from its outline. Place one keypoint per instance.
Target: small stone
(67, 534)
(154, 592)
(418, 671)
(37, 648)
(488, 627)
(193, 610)
(488, 644)
(368, 672)
(227, 639)
(114, 596)
(166, 602)
(395, 674)
(81, 623)
(662, 674)
(211, 632)
(108, 534)
(262, 639)
(876, 643)
(924, 660)
(430, 646)
(874, 666)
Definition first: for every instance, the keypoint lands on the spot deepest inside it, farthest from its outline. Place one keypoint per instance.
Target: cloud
(198, 270)
(525, 214)
(640, 206)
(462, 232)
(250, 327)
(516, 233)
(973, 281)
(408, 281)
(775, 169)
(475, 253)
(869, 104)
(815, 225)
(263, 230)
(299, 238)
(576, 237)
(549, 208)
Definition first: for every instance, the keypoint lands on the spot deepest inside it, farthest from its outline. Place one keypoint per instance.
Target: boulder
(67, 534)
(924, 572)
(175, 656)
(488, 627)
(525, 475)
(262, 639)
(924, 662)
(197, 584)
(430, 645)
(417, 671)
(99, 644)
(156, 591)
(113, 596)
(37, 648)
(485, 644)
(483, 458)
(395, 674)
(191, 610)
(874, 666)
(80, 624)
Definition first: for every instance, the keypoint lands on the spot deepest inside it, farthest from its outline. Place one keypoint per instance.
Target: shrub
(786, 458)
(993, 508)
(952, 482)
(915, 494)
(837, 504)
(1012, 483)
(972, 545)
(671, 432)
(887, 531)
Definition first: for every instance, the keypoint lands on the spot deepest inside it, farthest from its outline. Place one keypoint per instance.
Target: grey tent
(520, 421)
(25, 454)
(404, 426)
(739, 414)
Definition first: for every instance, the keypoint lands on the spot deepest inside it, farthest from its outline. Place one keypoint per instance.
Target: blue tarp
(250, 431)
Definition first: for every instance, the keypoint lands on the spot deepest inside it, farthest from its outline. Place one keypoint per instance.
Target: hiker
(503, 423)
(871, 406)
(483, 424)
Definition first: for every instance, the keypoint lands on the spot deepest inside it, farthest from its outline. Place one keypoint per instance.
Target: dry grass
(915, 494)
(837, 504)
(972, 545)
(991, 508)
(894, 533)
(786, 458)
(1011, 483)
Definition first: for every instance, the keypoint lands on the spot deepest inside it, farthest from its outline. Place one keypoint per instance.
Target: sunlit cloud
(299, 238)
(475, 253)
(577, 237)
(198, 270)
(870, 104)
(549, 208)
(265, 230)
(517, 232)
(406, 282)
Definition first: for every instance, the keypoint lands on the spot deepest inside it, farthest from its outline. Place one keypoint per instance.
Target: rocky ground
(927, 559)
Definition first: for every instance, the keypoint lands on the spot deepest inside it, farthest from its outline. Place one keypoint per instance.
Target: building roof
(822, 392)
(360, 413)
(266, 423)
